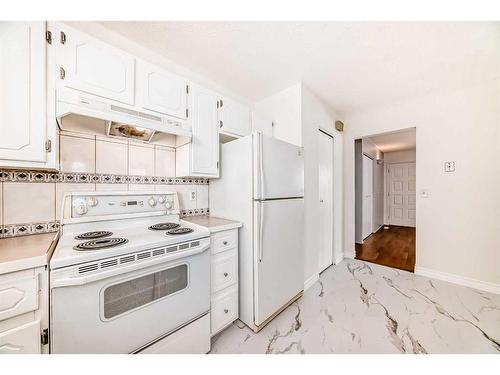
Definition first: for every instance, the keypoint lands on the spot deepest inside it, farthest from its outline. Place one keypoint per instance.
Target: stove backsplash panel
(30, 201)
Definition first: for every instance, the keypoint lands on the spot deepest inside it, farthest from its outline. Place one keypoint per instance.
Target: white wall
(405, 156)
(317, 115)
(458, 225)
(284, 109)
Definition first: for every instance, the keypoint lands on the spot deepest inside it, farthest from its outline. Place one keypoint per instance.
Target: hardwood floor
(393, 247)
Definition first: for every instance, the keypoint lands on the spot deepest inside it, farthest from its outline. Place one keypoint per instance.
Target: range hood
(85, 113)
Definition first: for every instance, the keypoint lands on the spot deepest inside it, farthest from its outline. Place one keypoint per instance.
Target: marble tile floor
(360, 307)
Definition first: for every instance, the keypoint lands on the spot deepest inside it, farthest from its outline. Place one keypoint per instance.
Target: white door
(89, 65)
(161, 91)
(262, 125)
(205, 141)
(279, 254)
(402, 197)
(367, 196)
(325, 182)
(22, 91)
(278, 168)
(234, 117)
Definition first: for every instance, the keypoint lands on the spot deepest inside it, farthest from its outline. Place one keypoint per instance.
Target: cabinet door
(22, 91)
(205, 141)
(262, 125)
(234, 117)
(21, 340)
(161, 91)
(94, 67)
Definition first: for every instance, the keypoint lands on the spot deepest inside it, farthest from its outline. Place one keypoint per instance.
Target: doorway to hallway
(385, 199)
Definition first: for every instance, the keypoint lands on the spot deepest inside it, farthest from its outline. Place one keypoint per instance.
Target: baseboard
(310, 281)
(460, 280)
(339, 259)
(350, 254)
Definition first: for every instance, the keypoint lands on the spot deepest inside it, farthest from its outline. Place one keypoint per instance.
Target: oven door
(126, 311)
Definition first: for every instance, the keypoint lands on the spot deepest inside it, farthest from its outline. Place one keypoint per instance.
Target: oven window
(130, 294)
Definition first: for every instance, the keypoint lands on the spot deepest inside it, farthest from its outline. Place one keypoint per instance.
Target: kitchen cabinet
(24, 311)
(224, 285)
(200, 157)
(234, 117)
(88, 65)
(260, 124)
(27, 138)
(161, 91)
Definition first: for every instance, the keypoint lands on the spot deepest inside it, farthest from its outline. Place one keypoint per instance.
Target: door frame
(332, 137)
(362, 203)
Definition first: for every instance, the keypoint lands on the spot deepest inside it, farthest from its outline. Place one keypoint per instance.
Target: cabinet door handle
(226, 311)
(220, 123)
(225, 274)
(224, 243)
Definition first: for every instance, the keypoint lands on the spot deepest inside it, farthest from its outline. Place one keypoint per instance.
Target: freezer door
(278, 168)
(279, 254)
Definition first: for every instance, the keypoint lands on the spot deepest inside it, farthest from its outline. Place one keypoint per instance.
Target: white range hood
(87, 113)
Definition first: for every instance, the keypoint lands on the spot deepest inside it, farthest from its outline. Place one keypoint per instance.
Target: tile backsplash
(30, 201)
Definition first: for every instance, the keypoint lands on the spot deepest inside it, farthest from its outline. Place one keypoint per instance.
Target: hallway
(393, 247)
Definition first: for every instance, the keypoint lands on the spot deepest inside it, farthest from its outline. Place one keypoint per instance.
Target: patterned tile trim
(15, 230)
(36, 176)
(195, 212)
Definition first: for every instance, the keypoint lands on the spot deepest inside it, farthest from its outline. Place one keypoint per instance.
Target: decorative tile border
(64, 177)
(16, 230)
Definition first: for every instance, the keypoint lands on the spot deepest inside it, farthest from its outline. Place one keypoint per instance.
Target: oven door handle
(82, 280)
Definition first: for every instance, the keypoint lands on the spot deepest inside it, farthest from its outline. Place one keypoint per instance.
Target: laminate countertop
(19, 253)
(212, 223)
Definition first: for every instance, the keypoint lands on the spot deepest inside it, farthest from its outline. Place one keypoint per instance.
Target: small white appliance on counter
(262, 185)
(128, 276)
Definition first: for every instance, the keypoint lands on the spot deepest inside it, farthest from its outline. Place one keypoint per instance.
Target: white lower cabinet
(24, 339)
(24, 312)
(224, 286)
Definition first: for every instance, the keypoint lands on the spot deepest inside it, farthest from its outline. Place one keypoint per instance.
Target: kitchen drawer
(223, 241)
(21, 340)
(224, 309)
(18, 294)
(224, 270)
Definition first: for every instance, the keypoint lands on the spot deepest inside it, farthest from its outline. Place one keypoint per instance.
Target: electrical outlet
(192, 195)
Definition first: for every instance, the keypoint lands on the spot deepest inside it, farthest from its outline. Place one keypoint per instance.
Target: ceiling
(396, 141)
(350, 65)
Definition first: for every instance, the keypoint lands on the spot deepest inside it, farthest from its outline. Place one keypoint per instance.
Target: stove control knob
(168, 205)
(162, 199)
(92, 201)
(80, 207)
(152, 201)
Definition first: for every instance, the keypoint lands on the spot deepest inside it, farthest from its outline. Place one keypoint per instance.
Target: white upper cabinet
(205, 141)
(91, 66)
(234, 118)
(161, 91)
(262, 125)
(23, 122)
(200, 157)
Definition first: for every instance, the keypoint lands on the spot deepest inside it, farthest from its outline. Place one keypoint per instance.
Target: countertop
(212, 223)
(19, 253)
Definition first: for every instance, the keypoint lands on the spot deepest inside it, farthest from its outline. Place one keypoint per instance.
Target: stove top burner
(103, 243)
(181, 230)
(164, 226)
(93, 235)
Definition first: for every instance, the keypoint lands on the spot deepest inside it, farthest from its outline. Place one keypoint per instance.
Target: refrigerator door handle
(261, 228)
(261, 165)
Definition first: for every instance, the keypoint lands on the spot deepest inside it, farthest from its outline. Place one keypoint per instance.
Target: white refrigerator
(261, 184)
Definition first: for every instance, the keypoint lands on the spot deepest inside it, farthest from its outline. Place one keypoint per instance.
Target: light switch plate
(192, 195)
(449, 166)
